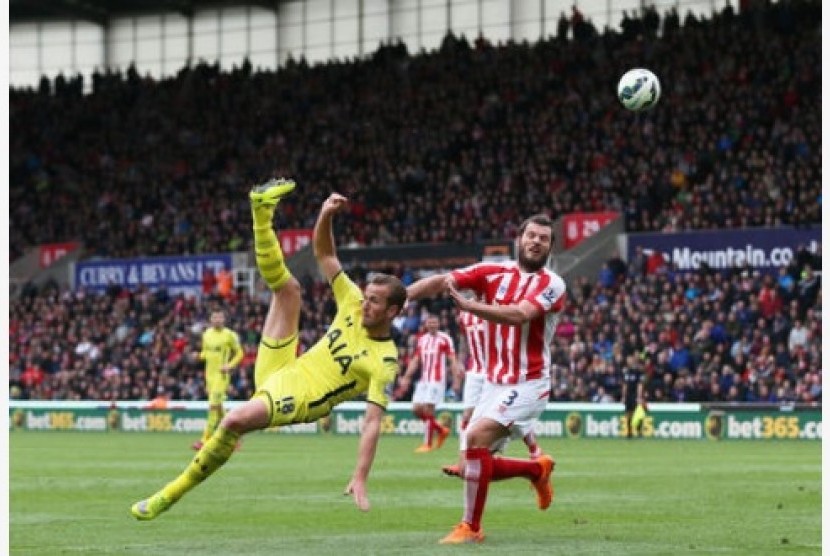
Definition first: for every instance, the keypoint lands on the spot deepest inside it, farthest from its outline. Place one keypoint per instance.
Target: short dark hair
(540, 219)
(397, 291)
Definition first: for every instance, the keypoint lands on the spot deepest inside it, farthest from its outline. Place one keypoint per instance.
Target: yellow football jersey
(220, 347)
(343, 364)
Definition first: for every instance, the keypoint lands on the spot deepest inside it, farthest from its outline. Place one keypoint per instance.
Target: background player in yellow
(221, 352)
(356, 356)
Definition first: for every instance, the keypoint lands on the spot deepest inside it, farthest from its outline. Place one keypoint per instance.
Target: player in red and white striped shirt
(474, 344)
(520, 301)
(435, 355)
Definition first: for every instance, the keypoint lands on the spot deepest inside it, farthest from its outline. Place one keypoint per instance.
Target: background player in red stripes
(435, 356)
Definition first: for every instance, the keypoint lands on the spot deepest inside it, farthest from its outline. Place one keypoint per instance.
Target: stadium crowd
(451, 145)
(702, 336)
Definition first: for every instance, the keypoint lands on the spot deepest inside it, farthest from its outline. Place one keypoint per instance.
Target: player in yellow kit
(221, 352)
(357, 355)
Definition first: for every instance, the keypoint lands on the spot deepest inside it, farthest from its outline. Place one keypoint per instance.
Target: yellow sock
(214, 418)
(263, 216)
(213, 455)
(269, 258)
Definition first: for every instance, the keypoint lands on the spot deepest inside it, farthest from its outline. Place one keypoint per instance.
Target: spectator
(209, 283)
(799, 335)
(224, 283)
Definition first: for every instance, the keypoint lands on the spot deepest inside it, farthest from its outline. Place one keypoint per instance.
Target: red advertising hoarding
(581, 225)
(51, 252)
(293, 240)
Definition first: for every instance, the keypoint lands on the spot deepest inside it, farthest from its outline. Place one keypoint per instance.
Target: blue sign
(763, 249)
(177, 274)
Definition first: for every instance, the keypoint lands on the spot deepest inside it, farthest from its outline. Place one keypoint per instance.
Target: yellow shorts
(272, 356)
(287, 396)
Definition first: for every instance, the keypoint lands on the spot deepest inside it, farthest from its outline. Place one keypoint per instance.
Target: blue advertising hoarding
(177, 274)
(763, 249)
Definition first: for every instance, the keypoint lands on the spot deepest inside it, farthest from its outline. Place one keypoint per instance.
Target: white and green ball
(638, 89)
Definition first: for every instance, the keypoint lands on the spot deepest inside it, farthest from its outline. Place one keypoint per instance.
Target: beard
(532, 265)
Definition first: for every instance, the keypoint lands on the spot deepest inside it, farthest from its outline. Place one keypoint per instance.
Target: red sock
(507, 468)
(434, 426)
(428, 420)
(478, 468)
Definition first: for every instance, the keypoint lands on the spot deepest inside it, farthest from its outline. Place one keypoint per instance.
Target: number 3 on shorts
(510, 398)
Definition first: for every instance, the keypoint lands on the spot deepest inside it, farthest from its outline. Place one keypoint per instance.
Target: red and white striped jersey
(432, 351)
(516, 353)
(475, 336)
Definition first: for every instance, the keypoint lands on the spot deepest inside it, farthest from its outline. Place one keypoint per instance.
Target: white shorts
(431, 393)
(473, 385)
(516, 406)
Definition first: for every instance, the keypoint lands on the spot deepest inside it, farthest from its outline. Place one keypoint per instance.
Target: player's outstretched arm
(429, 286)
(365, 456)
(323, 237)
(513, 314)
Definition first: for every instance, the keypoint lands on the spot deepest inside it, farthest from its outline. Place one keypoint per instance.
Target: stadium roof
(100, 11)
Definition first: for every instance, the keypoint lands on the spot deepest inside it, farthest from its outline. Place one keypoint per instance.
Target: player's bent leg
(252, 415)
(278, 345)
(283, 318)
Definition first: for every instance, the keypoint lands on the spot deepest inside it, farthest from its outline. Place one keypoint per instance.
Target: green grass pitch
(70, 493)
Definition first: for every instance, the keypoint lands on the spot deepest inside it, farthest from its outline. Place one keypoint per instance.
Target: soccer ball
(638, 89)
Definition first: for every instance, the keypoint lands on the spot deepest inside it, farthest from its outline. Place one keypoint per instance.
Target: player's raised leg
(252, 415)
(279, 333)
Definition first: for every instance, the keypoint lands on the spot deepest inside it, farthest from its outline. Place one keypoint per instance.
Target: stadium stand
(699, 336)
(452, 145)
(448, 146)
